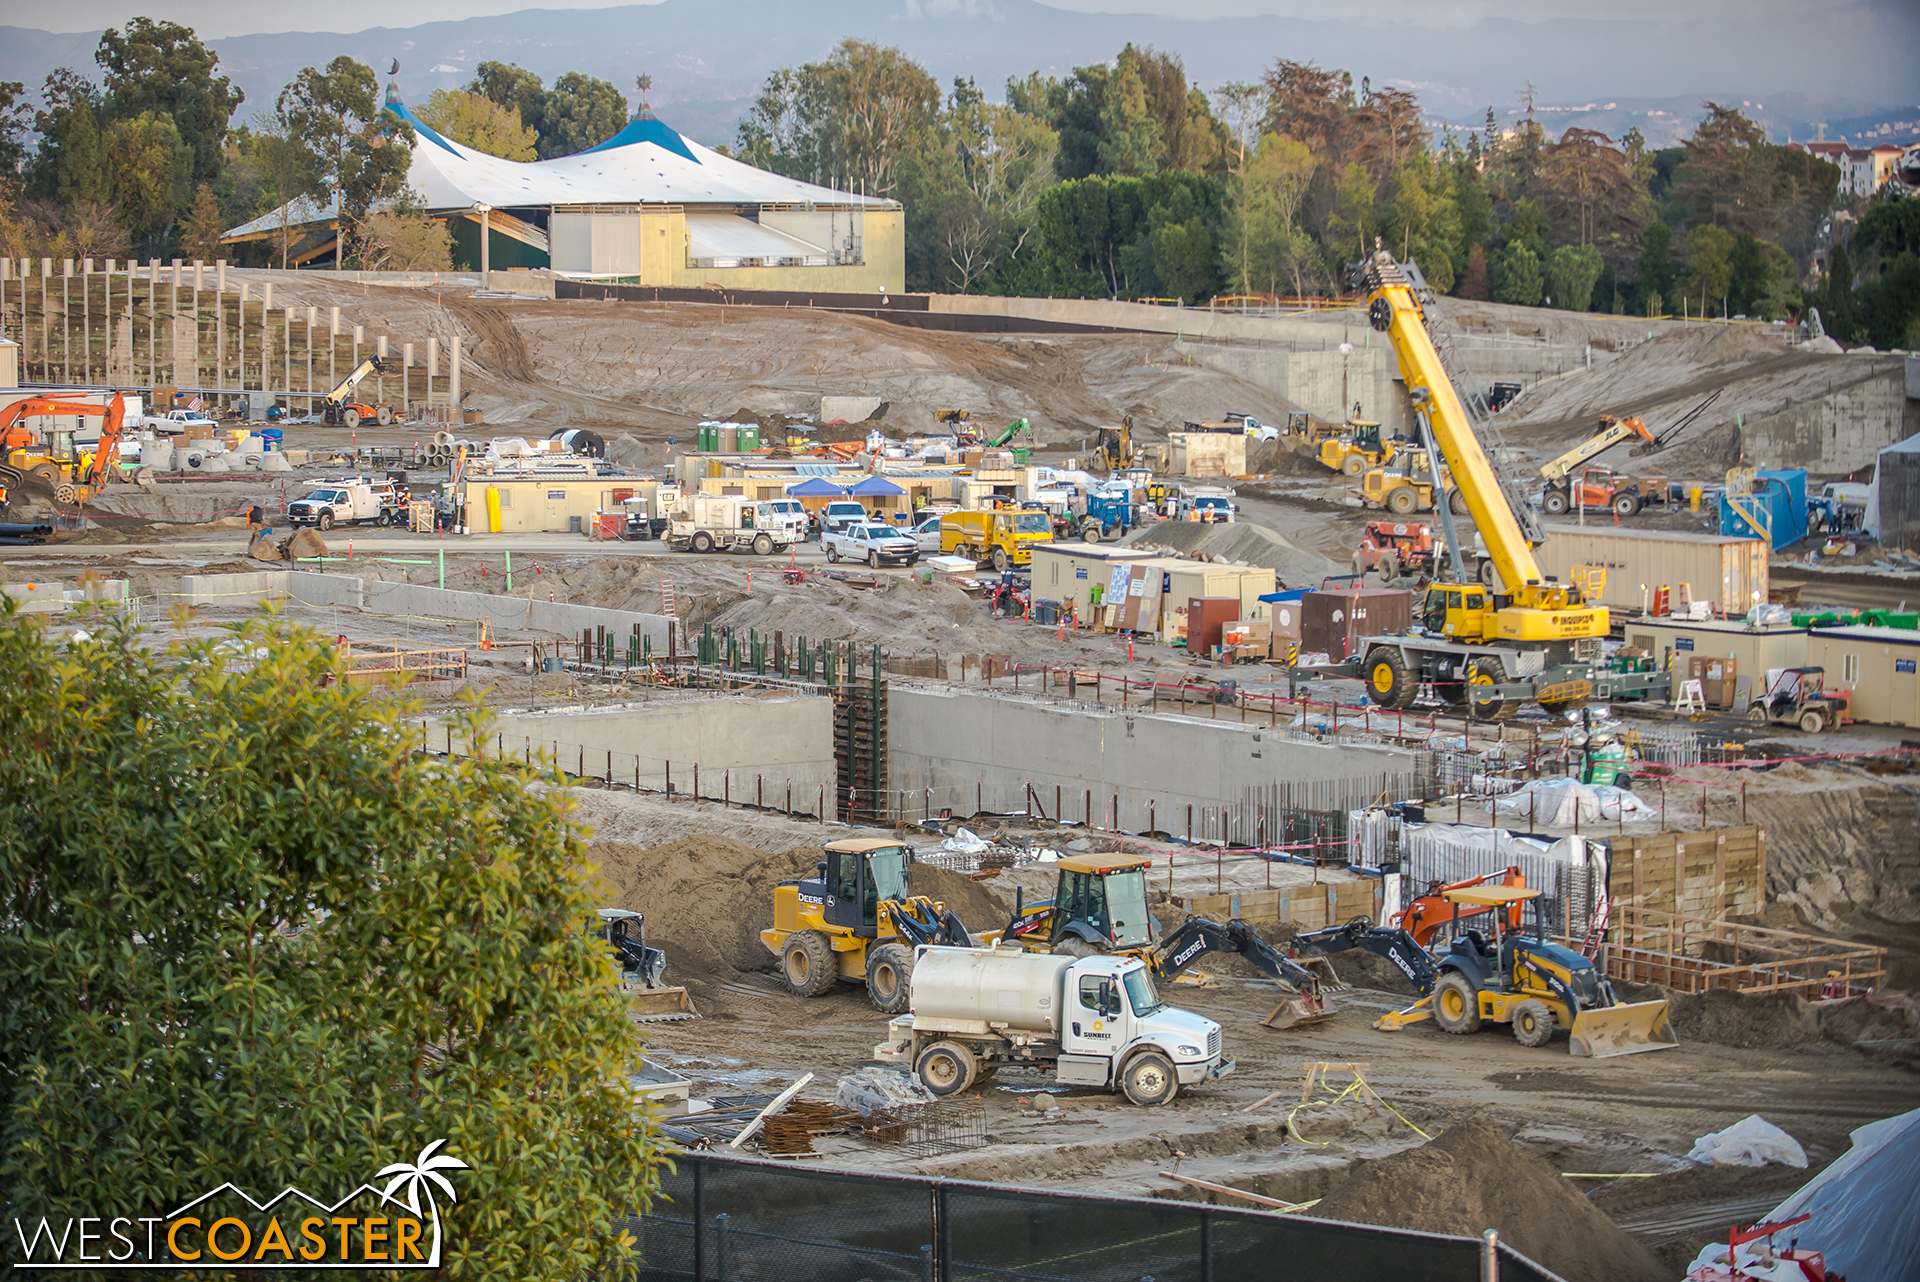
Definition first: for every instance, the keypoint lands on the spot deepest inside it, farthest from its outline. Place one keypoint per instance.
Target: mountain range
(1852, 60)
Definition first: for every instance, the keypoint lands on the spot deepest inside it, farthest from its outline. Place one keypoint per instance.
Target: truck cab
(842, 514)
(1461, 610)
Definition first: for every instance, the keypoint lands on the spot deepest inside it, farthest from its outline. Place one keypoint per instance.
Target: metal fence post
(699, 1221)
(722, 1248)
(1490, 1256)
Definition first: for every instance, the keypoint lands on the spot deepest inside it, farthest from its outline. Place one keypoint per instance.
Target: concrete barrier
(953, 740)
(235, 589)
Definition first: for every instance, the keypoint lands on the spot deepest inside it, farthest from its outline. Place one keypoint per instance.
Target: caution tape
(1359, 1084)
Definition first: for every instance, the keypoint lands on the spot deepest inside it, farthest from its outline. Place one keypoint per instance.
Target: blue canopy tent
(815, 487)
(877, 487)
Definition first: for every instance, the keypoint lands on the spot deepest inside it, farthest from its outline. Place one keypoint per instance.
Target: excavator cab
(1099, 905)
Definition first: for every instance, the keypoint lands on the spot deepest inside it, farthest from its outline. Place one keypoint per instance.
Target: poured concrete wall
(744, 747)
(953, 741)
(1844, 430)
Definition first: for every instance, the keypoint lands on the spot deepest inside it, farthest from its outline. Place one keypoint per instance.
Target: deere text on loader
(1100, 906)
(860, 921)
(1509, 977)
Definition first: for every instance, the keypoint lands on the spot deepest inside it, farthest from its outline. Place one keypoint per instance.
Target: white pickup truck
(355, 500)
(176, 421)
(875, 544)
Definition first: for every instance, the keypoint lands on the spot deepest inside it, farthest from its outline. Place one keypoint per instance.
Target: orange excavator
(75, 477)
(1424, 917)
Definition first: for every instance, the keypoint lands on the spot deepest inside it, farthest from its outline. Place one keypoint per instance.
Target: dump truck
(1095, 1021)
(728, 523)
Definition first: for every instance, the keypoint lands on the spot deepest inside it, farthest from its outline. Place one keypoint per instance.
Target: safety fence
(728, 1219)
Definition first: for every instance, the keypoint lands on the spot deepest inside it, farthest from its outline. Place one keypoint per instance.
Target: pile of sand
(1750, 1021)
(967, 899)
(1473, 1178)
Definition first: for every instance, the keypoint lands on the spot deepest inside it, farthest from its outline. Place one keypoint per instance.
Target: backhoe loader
(1509, 977)
(1100, 906)
(858, 921)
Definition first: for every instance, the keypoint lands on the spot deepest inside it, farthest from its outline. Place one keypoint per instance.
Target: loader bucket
(661, 1005)
(1622, 1030)
(1322, 969)
(1299, 1010)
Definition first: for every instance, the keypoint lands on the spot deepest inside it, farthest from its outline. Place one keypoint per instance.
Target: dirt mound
(1473, 1178)
(1750, 1021)
(1240, 541)
(1288, 456)
(964, 897)
(706, 899)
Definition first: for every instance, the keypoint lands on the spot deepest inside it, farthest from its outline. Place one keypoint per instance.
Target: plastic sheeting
(1567, 803)
(1751, 1141)
(1865, 1208)
(1568, 869)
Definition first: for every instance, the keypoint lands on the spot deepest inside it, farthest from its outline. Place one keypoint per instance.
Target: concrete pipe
(196, 461)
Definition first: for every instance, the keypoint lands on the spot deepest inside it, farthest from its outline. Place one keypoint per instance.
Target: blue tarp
(1784, 497)
(815, 487)
(877, 487)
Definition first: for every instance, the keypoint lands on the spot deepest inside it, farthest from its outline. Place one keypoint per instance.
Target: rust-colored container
(1332, 622)
(1206, 617)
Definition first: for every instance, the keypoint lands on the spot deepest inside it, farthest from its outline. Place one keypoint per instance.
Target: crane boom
(1612, 432)
(368, 365)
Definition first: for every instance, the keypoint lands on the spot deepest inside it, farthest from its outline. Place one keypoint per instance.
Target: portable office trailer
(1880, 666)
(544, 504)
(1218, 454)
(1748, 652)
(1730, 572)
(1063, 570)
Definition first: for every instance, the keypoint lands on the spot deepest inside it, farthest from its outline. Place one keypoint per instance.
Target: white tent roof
(646, 163)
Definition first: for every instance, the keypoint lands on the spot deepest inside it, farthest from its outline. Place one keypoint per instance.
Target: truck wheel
(947, 1068)
(1532, 1023)
(1090, 533)
(1554, 503)
(1813, 721)
(890, 978)
(1626, 505)
(1387, 679)
(380, 520)
(1354, 465)
(349, 418)
(873, 560)
(806, 961)
(326, 521)
(702, 541)
(1000, 560)
(384, 416)
(1149, 1079)
(763, 545)
(1457, 501)
(833, 553)
(1456, 1007)
(1757, 714)
(1403, 501)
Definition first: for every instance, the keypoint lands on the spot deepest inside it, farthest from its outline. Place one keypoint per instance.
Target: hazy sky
(216, 18)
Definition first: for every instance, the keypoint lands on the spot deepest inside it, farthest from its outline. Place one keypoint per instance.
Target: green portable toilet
(703, 438)
(749, 437)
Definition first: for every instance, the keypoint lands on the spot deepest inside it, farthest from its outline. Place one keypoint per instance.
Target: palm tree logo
(422, 1176)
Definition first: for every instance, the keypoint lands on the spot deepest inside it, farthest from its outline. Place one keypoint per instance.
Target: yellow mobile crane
(1524, 638)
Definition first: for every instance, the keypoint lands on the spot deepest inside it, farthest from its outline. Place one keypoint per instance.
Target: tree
(476, 121)
(1190, 138)
(1239, 106)
(577, 113)
(1421, 224)
(1352, 216)
(308, 953)
(1385, 130)
(1262, 245)
(972, 182)
(1656, 267)
(1528, 226)
(1475, 284)
(1517, 277)
(1747, 276)
(515, 88)
(400, 236)
(71, 163)
(151, 168)
(355, 152)
(844, 122)
(1570, 274)
(1473, 210)
(1836, 305)
(161, 67)
(1709, 266)
(16, 118)
(1591, 194)
(200, 238)
(1130, 140)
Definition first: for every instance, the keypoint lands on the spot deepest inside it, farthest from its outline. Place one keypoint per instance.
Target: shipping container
(1207, 618)
(1332, 622)
(1730, 572)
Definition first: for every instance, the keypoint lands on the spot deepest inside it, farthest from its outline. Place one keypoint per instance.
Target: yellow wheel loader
(857, 921)
(1100, 906)
(1357, 449)
(1509, 976)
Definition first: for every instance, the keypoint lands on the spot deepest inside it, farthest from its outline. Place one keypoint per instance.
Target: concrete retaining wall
(739, 744)
(1842, 431)
(953, 740)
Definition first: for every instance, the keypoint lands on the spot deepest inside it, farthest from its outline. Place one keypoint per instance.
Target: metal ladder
(666, 599)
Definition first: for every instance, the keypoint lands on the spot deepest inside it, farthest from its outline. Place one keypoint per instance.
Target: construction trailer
(561, 504)
(1729, 571)
(1071, 570)
(1878, 667)
(1207, 453)
(1726, 655)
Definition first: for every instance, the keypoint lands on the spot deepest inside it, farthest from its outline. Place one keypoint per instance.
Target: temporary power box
(1332, 622)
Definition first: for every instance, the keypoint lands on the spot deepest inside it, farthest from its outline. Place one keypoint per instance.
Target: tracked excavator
(858, 920)
(74, 476)
(1100, 906)
(1524, 638)
(1507, 975)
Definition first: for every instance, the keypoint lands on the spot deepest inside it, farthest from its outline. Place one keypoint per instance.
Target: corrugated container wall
(1333, 622)
(1730, 572)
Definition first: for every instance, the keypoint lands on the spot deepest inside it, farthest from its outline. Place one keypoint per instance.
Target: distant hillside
(708, 62)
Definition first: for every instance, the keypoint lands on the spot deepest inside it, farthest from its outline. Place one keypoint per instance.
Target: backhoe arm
(1198, 937)
(1397, 946)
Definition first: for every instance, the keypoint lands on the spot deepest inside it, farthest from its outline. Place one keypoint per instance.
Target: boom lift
(76, 477)
(1559, 474)
(1529, 637)
(860, 921)
(1100, 906)
(1512, 977)
(338, 411)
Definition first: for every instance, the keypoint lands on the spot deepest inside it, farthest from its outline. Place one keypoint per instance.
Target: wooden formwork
(1308, 907)
(1692, 954)
(369, 661)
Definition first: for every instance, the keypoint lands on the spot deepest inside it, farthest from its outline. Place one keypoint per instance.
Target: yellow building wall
(529, 507)
(883, 244)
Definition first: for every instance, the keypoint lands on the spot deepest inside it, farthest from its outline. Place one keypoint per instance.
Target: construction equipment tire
(1388, 683)
(947, 1068)
(806, 963)
(1813, 721)
(1149, 1079)
(383, 416)
(1074, 946)
(890, 978)
(702, 541)
(66, 494)
(1623, 781)
(47, 473)
(1090, 532)
(1487, 574)
(1487, 670)
(1403, 501)
(1353, 465)
(1757, 714)
(1554, 502)
(763, 545)
(350, 418)
(1457, 501)
(1000, 560)
(1532, 1023)
(1388, 568)
(1456, 1007)
(326, 521)
(1626, 505)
